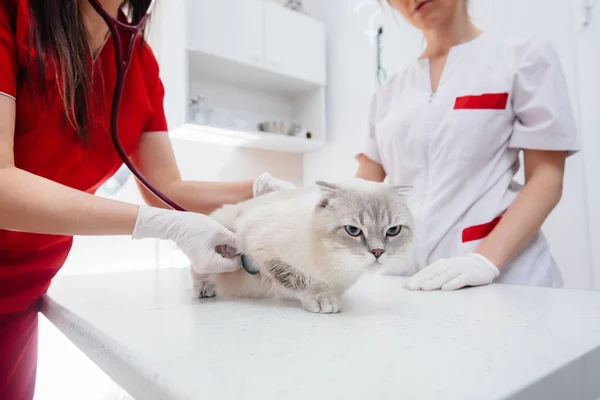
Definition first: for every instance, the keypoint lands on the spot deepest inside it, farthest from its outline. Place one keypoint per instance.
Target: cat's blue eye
(394, 230)
(352, 230)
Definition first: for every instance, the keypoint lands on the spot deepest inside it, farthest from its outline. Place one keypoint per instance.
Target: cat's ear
(328, 192)
(401, 190)
(326, 186)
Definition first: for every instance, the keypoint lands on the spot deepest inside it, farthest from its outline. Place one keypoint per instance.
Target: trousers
(19, 353)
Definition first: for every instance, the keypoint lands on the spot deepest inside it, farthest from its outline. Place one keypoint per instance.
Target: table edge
(108, 354)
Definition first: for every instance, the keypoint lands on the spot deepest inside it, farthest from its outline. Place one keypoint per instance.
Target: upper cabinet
(294, 43)
(246, 62)
(257, 33)
(231, 29)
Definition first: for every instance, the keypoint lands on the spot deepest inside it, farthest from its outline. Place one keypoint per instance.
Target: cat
(312, 243)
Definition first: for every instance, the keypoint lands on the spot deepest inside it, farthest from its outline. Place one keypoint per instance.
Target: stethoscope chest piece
(250, 268)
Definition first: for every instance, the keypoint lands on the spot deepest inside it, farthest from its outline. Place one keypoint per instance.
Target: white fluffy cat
(312, 243)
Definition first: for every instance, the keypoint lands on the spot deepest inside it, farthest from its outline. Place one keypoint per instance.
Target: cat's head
(364, 224)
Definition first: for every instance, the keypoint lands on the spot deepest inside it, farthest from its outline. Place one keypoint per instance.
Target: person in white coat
(452, 125)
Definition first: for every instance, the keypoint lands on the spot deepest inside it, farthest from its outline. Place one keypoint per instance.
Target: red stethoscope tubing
(122, 62)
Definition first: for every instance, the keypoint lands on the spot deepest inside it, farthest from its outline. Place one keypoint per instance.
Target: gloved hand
(455, 273)
(265, 183)
(197, 235)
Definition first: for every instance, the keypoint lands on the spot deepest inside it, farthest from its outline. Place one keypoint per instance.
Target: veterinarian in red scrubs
(57, 77)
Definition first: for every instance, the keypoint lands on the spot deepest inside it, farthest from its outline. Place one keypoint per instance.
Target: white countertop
(496, 342)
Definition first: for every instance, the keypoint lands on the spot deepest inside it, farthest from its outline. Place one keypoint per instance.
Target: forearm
(370, 170)
(203, 197)
(522, 220)
(29, 203)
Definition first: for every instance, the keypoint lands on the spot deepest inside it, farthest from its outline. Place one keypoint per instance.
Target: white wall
(588, 63)
(351, 83)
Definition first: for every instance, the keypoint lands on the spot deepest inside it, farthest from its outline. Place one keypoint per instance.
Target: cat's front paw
(204, 287)
(322, 304)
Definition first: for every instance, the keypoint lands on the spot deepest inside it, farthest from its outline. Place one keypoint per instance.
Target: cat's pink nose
(377, 253)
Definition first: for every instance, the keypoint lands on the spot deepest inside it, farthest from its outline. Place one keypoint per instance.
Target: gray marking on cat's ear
(401, 190)
(327, 187)
(288, 276)
(329, 191)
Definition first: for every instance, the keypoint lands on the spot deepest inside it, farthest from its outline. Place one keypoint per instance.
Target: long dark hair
(61, 41)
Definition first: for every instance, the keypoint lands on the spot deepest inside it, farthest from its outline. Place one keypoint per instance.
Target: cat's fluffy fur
(301, 242)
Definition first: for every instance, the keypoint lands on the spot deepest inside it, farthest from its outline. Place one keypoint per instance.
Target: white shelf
(245, 139)
(244, 74)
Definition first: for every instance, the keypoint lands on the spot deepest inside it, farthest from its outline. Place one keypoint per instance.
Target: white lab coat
(459, 147)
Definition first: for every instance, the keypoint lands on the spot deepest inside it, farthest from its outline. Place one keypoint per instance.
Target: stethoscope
(123, 62)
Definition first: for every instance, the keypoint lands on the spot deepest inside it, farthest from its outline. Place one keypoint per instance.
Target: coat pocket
(487, 101)
(479, 232)
(473, 236)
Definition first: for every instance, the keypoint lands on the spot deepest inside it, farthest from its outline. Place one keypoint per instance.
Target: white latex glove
(197, 235)
(455, 273)
(266, 183)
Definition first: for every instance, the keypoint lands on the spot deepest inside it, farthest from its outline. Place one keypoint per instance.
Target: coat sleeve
(8, 53)
(544, 116)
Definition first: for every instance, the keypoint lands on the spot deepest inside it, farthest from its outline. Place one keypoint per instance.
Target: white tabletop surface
(496, 342)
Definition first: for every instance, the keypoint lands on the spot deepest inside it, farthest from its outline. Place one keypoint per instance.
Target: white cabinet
(294, 44)
(231, 29)
(257, 33)
(254, 61)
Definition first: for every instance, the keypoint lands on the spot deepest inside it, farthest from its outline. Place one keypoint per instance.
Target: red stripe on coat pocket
(478, 232)
(488, 101)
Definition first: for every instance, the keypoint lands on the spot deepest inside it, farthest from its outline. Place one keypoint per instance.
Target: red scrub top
(46, 146)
